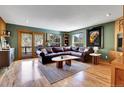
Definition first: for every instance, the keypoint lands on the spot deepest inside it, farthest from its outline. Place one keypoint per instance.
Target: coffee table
(95, 58)
(60, 59)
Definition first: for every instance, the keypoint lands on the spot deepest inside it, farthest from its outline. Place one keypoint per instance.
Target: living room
(56, 46)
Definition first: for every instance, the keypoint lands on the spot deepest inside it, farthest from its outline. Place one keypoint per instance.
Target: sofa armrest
(85, 56)
(42, 54)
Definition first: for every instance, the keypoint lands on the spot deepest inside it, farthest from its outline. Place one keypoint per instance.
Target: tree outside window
(77, 39)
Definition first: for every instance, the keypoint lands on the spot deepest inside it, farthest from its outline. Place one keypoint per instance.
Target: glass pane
(26, 44)
(38, 40)
(53, 40)
(77, 39)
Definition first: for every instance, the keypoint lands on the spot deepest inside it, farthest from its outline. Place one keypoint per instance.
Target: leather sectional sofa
(48, 53)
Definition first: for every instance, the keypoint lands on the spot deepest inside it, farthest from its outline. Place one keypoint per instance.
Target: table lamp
(95, 49)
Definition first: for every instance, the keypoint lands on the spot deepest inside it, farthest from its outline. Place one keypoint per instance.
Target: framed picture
(95, 37)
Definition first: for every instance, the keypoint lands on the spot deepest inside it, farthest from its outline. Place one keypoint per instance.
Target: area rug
(54, 74)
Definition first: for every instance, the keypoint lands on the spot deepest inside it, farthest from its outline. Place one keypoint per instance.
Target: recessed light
(108, 14)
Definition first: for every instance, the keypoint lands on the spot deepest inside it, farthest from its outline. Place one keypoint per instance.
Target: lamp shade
(95, 49)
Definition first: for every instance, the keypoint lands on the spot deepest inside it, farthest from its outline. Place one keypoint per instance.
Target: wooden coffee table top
(94, 54)
(64, 58)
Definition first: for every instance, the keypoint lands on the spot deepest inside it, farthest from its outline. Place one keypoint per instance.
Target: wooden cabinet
(2, 26)
(6, 57)
(118, 30)
(119, 25)
(117, 75)
(117, 79)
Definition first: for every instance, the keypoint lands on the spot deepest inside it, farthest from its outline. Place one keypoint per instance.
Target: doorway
(27, 43)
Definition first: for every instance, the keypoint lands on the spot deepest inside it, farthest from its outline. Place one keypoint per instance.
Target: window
(77, 39)
(53, 39)
(38, 39)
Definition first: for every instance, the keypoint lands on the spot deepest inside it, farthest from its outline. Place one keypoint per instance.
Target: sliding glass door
(27, 43)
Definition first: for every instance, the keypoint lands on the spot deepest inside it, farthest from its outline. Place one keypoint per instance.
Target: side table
(95, 58)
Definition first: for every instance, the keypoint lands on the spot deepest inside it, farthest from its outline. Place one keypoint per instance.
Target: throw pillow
(49, 49)
(75, 49)
(44, 51)
(38, 52)
(81, 49)
(67, 48)
(86, 49)
(57, 49)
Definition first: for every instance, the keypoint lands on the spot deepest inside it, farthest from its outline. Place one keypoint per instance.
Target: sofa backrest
(76, 49)
(62, 49)
(49, 49)
(57, 49)
(81, 49)
(67, 48)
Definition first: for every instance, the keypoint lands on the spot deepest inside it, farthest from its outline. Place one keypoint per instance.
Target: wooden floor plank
(25, 73)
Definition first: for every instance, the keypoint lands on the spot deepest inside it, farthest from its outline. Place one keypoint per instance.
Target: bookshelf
(66, 39)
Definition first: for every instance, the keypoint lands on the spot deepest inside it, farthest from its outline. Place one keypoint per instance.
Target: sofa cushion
(76, 54)
(49, 49)
(75, 49)
(86, 49)
(81, 49)
(66, 53)
(44, 51)
(53, 54)
(40, 47)
(57, 49)
(67, 48)
(38, 52)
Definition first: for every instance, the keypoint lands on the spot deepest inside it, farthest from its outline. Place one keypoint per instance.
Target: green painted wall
(108, 35)
(13, 40)
(109, 29)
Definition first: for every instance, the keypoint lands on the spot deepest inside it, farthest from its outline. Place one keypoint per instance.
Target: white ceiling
(59, 18)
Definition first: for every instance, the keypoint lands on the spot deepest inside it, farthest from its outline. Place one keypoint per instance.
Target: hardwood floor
(25, 73)
(95, 76)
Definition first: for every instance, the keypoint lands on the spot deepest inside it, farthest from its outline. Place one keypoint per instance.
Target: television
(119, 42)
